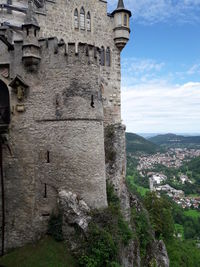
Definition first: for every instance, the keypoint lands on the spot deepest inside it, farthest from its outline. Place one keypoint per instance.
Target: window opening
(92, 102)
(102, 56)
(88, 21)
(119, 19)
(125, 20)
(45, 190)
(82, 19)
(48, 156)
(76, 24)
(108, 57)
(95, 52)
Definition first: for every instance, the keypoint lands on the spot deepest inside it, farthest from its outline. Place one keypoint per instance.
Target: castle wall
(56, 133)
(57, 142)
(59, 22)
(57, 19)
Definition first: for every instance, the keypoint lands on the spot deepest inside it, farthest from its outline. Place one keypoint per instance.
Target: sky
(161, 67)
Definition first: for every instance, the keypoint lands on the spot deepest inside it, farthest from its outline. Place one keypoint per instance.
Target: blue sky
(161, 67)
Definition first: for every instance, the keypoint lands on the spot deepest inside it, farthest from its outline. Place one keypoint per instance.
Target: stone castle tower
(59, 90)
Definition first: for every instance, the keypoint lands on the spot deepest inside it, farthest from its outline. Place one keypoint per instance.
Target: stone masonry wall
(57, 142)
(59, 22)
(57, 19)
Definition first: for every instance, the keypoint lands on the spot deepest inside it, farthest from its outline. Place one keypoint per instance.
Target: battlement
(75, 52)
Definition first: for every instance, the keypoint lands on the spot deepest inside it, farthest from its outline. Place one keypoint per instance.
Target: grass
(46, 253)
(141, 190)
(192, 213)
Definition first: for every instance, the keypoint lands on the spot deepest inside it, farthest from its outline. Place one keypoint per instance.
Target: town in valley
(170, 159)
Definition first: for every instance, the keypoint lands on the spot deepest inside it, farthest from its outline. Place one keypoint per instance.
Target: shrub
(107, 232)
(101, 248)
(113, 200)
(143, 230)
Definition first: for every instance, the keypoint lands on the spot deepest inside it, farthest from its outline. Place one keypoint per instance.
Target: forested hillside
(173, 140)
(136, 143)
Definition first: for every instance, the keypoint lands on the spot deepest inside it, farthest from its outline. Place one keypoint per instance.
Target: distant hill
(173, 140)
(136, 143)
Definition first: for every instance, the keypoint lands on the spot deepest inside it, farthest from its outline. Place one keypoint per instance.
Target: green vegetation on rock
(143, 229)
(108, 231)
(160, 215)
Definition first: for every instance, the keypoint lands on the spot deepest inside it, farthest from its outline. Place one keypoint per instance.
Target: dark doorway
(4, 104)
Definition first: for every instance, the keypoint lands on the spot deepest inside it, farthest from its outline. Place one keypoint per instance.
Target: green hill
(173, 140)
(136, 143)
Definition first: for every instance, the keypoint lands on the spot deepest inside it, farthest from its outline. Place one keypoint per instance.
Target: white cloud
(195, 69)
(139, 66)
(153, 11)
(136, 70)
(162, 107)
(140, 71)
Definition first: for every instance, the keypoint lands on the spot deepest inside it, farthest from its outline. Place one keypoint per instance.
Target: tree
(161, 217)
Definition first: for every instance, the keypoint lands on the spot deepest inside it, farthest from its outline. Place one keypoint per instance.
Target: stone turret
(122, 27)
(31, 49)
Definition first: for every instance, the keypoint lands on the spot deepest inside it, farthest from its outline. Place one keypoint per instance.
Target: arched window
(76, 24)
(125, 20)
(102, 56)
(88, 21)
(82, 19)
(4, 104)
(108, 57)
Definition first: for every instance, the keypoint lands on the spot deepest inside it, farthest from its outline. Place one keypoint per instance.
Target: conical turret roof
(121, 7)
(120, 4)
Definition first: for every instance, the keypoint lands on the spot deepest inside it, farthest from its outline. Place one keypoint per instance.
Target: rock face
(115, 150)
(160, 254)
(75, 211)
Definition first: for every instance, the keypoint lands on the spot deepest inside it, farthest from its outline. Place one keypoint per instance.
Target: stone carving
(19, 87)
